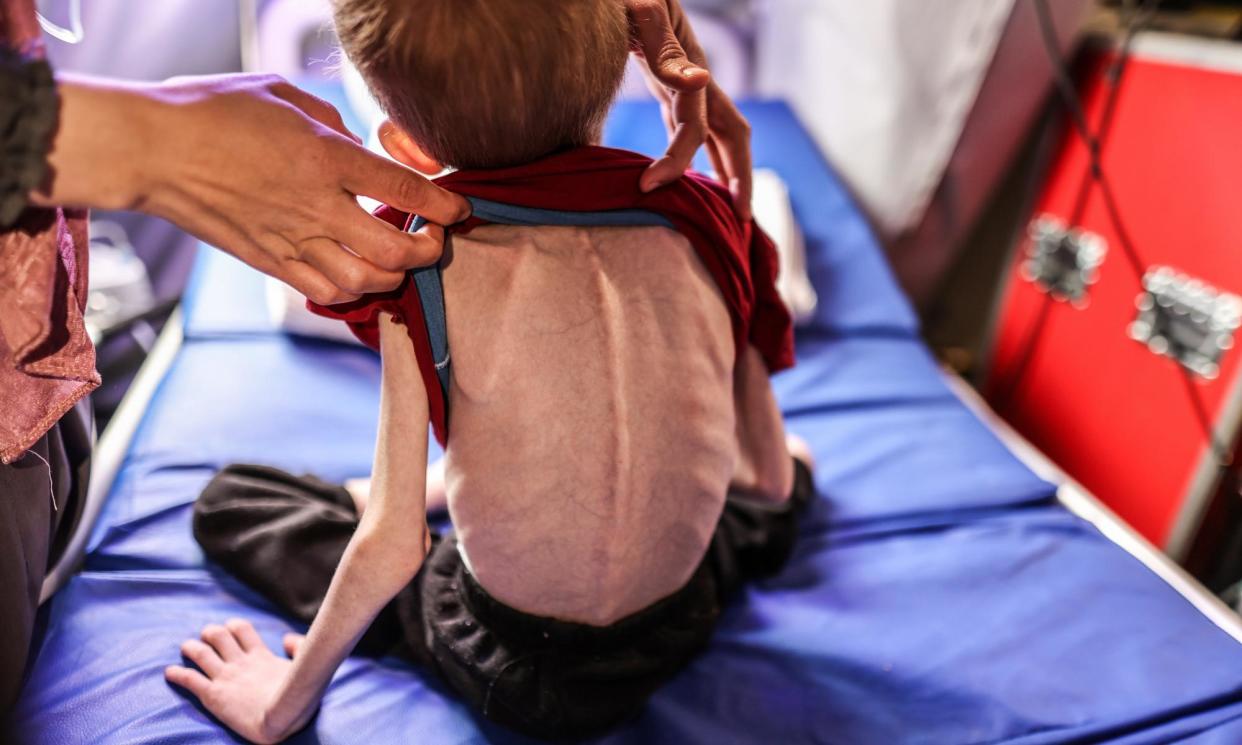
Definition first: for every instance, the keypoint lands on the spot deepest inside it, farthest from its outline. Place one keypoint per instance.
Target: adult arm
(19, 26)
(265, 698)
(253, 165)
(696, 110)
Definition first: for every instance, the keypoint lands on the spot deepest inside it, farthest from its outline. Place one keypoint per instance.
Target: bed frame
(113, 448)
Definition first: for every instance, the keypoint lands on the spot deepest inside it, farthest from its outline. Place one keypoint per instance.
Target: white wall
(920, 105)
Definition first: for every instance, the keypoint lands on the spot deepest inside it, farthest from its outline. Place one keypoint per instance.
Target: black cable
(1061, 75)
(1219, 450)
(1133, 20)
(1137, 265)
(1094, 144)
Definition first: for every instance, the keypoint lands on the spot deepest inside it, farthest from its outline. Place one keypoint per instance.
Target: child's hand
(240, 682)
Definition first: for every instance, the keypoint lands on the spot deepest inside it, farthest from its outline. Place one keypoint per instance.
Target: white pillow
(774, 213)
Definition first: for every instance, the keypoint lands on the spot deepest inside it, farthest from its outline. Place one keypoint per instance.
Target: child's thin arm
(391, 541)
(764, 469)
(265, 698)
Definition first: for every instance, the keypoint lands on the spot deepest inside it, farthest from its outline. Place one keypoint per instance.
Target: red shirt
(739, 256)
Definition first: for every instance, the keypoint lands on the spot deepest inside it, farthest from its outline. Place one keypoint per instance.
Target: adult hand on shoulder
(253, 165)
(696, 111)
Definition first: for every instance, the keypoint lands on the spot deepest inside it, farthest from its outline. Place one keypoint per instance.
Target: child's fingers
(191, 680)
(221, 640)
(245, 634)
(202, 655)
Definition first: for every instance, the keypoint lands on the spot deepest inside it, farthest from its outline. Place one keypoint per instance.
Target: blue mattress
(938, 594)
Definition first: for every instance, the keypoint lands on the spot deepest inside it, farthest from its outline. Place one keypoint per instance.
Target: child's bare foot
(799, 449)
(293, 643)
(437, 496)
(437, 499)
(359, 491)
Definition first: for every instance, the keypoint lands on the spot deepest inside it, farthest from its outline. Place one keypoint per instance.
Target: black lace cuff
(28, 111)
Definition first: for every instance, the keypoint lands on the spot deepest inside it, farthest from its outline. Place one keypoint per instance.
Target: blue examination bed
(939, 592)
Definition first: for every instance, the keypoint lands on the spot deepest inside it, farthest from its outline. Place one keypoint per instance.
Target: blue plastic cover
(937, 593)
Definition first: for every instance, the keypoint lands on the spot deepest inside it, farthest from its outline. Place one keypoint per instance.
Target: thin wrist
(273, 722)
(270, 725)
(288, 710)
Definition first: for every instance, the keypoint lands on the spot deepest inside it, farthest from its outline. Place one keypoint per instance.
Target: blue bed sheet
(937, 594)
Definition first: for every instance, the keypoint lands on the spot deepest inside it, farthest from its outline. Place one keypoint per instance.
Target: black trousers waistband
(538, 632)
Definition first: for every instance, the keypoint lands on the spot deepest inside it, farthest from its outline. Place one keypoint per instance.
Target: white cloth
(920, 106)
(1006, 107)
(885, 86)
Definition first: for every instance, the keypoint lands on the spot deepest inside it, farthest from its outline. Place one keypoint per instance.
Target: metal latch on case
(1063, 261)
(1186, 319)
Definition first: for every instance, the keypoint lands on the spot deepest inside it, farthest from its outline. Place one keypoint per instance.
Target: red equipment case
(1098, 363)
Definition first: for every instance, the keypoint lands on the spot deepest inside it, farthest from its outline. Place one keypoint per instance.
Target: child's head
(487, 83)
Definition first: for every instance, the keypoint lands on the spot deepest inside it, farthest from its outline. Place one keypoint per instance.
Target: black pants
(41, 498)
(284, 536)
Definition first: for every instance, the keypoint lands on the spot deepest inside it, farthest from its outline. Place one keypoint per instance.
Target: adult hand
(696, 111)
(253, 165)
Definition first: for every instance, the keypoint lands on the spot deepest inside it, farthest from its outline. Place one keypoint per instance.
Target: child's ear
(405, 150)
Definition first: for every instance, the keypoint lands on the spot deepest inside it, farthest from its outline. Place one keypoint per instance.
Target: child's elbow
(776, 481)
(770, 482)
(393, 553)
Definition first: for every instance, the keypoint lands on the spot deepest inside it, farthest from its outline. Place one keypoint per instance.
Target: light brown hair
(489, 83)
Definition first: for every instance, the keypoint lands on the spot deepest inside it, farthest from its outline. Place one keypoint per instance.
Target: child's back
(593, 425)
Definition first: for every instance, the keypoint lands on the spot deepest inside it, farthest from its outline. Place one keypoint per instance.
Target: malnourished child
(597, 367)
